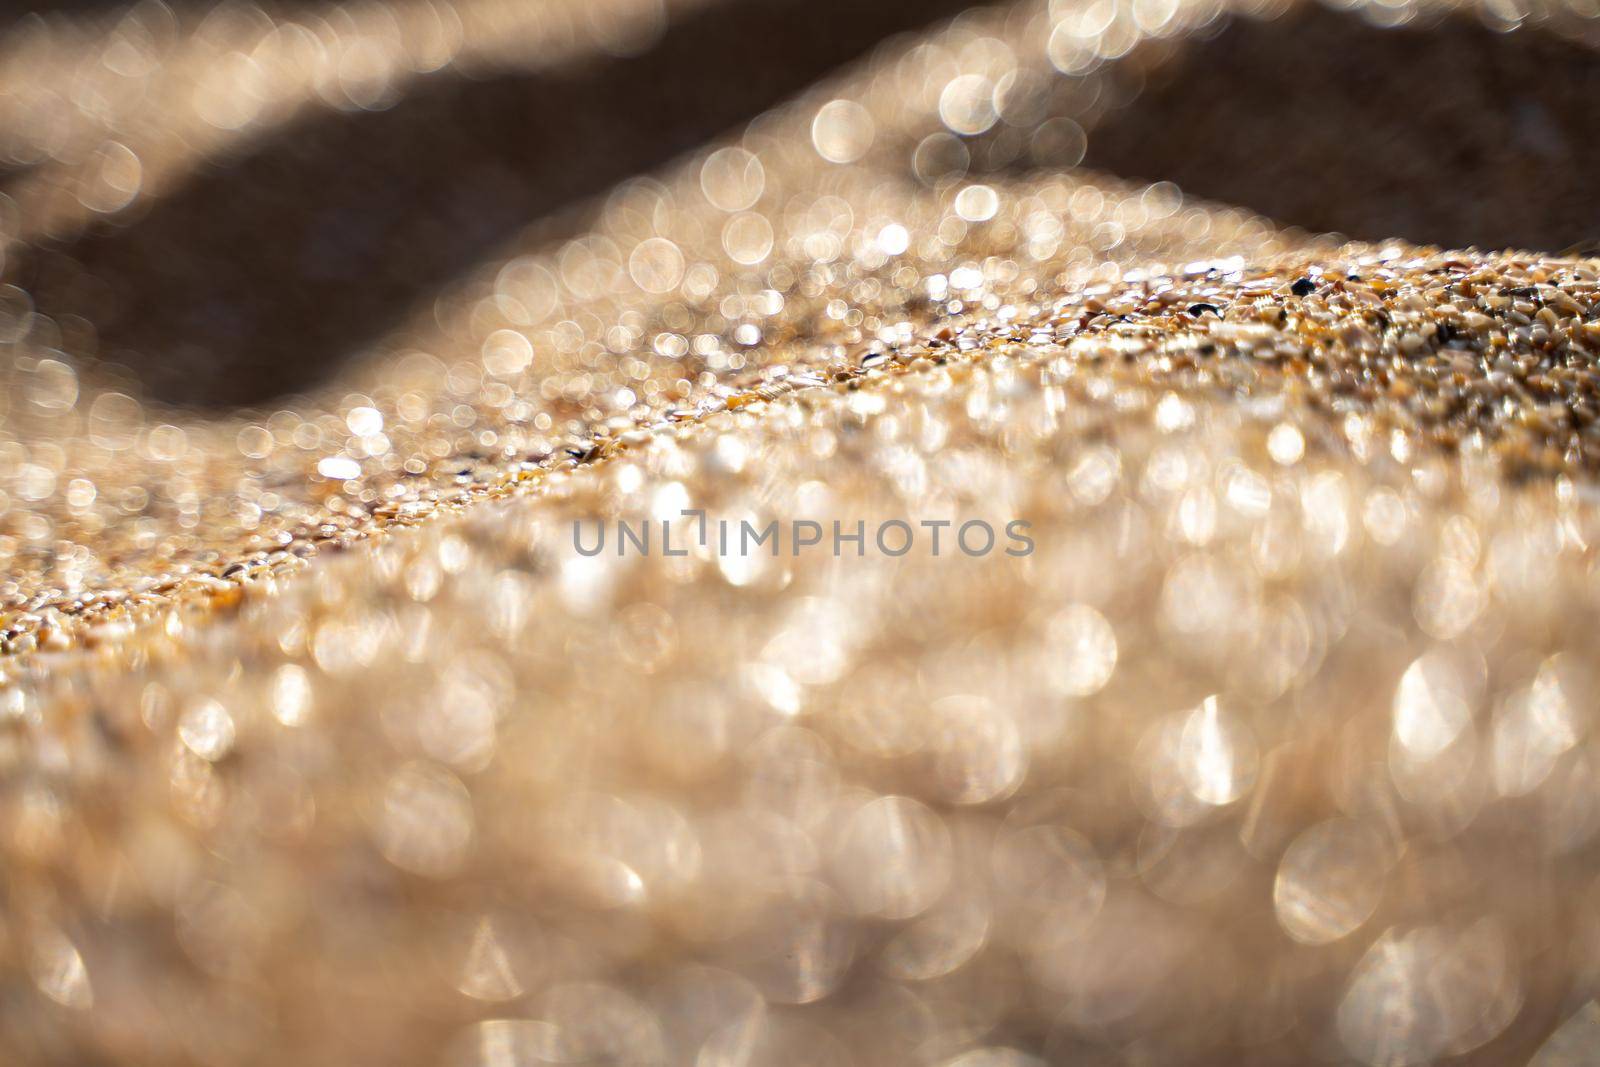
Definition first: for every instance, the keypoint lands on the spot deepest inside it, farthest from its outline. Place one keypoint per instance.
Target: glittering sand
(324, 743)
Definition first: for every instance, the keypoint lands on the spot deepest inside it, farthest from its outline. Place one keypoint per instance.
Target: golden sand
(323, 741)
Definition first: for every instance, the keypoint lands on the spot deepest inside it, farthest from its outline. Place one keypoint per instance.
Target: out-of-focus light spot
(1082, 650)
(967, 104)
(1330, 881)
(894, 239)
(364, 421)
(747, 238)
(842, 131)
(1216, 755)
(425, 824)
(1430, 708)
(58, 970)
(732, 179)
(977, 203)
(1285, 445)
(115, 182)
(894, 858)
(656, 265)
(291, 694)
(507, 353)
(207, 730)
(338, 468)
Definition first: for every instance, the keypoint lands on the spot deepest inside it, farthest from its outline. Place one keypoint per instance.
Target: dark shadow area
(1448, 134)
(262, 274)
